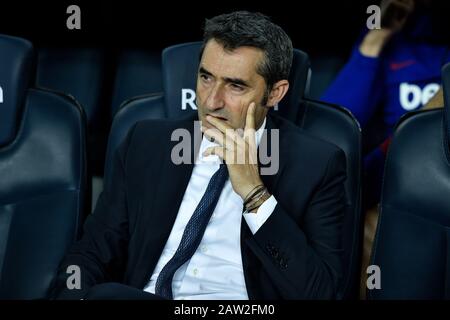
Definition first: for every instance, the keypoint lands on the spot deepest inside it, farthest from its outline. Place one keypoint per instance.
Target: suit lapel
(163, 207)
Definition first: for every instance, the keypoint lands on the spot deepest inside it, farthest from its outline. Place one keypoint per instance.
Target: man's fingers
(227, 130)
(218, 151)
(228, 142)
(213, 135)
(249, 132)
(250, 119)
(219, 124)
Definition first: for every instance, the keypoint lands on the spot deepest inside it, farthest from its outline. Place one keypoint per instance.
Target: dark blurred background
(314, 26)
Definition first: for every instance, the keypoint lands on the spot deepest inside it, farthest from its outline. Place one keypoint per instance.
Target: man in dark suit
(218, 227)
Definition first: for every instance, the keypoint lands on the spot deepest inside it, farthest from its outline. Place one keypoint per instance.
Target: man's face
(227, 82)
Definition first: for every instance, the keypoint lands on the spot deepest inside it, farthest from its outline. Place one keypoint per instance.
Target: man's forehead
(241, 62)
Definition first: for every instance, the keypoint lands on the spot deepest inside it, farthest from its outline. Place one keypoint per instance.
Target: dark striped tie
(193, 233)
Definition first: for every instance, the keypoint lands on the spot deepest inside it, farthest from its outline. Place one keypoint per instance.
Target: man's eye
(237, 87)
(205, 77)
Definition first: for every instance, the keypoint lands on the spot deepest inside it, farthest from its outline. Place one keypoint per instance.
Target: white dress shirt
(215, 270)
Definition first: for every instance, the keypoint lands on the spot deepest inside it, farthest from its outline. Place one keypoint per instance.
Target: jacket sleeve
(358, 86)
(304, 259)
(101, 252)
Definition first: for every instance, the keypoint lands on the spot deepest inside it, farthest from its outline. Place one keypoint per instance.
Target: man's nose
(215, 99)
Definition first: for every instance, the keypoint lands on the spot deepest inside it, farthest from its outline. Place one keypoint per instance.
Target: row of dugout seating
(43, 176)
(43, 166)
(86, 74)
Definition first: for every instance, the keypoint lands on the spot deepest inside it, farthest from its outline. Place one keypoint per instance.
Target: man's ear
(277, 93)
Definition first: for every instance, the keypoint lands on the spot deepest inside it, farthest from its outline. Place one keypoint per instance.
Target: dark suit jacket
(296, 254)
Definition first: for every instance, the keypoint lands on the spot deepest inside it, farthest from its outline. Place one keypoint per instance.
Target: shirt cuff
(256, 220)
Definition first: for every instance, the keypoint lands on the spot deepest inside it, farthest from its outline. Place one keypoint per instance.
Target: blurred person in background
(391, 71)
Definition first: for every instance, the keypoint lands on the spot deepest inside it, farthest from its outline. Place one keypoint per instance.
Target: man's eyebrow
(204, 71)
(237, 81)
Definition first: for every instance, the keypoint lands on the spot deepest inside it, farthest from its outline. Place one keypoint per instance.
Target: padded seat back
(138, 73)
(412, 241)
(43, 176)
(337, 125)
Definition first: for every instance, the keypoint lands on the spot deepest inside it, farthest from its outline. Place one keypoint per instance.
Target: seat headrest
(16, 72)
(179, 69)
(298, 82)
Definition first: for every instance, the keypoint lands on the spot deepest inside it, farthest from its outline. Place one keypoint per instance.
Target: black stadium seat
(131, 111)
(324, 69)
(412, 241)
(42, 175)
(337, 125)
(75, 71)
(179, 71)
(82, 73)
(138, 73)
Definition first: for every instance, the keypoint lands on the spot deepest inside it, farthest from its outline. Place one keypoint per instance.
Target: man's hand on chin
(238, 149)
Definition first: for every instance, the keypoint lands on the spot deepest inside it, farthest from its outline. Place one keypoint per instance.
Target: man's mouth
(218, 117)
